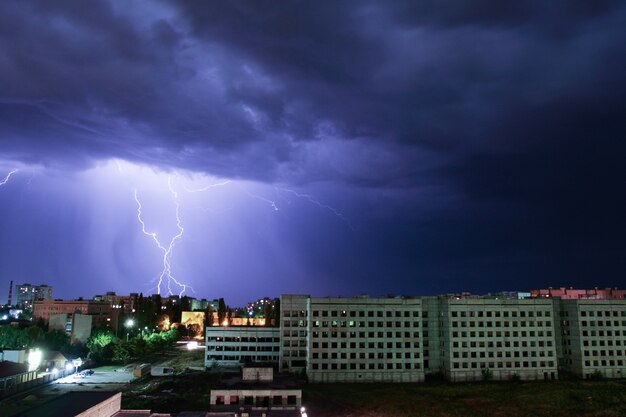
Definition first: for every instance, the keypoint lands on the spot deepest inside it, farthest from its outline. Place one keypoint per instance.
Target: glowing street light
(129, 324)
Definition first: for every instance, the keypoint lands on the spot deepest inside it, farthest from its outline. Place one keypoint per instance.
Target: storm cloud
(477, 145)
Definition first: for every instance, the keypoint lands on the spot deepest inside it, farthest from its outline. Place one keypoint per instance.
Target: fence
(13, 384)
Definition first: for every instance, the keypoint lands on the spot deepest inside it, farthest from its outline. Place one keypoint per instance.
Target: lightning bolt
(199, 190)
(6, 179)
(312, 200)
(166, 273)
(258, 197)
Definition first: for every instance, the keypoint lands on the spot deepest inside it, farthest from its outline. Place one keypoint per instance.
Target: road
(103, 375)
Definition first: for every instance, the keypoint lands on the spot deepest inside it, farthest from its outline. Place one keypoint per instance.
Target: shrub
(487, 374)
(596, 375)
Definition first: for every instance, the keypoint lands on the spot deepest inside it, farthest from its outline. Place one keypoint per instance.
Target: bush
(515, 378)
(596, 375)
(487, 374)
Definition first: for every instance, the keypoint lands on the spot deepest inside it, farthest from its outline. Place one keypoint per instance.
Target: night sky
(326, 148)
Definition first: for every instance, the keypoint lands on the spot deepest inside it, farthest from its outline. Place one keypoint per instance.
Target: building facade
(403, 339)
(357, 339)
(592, 337)
(498, 339)
(102, 314)
(27, 294)
(235, 346)
(578, 294)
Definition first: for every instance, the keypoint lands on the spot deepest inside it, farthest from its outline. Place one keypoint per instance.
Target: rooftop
(66, 405)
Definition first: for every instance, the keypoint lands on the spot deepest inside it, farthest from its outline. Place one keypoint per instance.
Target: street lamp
(129, 324)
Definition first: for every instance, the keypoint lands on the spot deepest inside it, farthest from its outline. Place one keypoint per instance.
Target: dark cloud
(497, 127)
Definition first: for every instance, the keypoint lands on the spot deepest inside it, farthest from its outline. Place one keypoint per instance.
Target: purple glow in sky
(371, 147)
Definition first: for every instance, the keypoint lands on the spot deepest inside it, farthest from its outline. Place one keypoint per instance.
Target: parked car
(84, 374)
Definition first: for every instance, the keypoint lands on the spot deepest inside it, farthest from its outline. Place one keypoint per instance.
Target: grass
(565, 398)
(506, 399)
(189, 392)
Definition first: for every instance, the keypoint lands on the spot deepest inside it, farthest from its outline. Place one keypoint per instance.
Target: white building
(403, 339)
(235, 346)
(357, 339)
(592, 337)
(492, 338)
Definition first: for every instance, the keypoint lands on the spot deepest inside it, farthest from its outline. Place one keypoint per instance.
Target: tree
(56, 340)
(267, 313)
(12, 337)
(221, 311)
(185, 304)
(101, 345)
(35, 335)
(122, 352)
(209, 316)
(276, 313)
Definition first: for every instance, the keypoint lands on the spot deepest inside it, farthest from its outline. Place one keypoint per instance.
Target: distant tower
(11, 293)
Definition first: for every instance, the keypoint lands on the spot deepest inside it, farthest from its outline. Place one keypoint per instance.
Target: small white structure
(13, 355)
(257, 390)
(162, 371)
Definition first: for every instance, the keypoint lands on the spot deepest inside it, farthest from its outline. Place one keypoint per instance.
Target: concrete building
(235, 346)
(500, 337)
(257, 389)
(14, 355)
(577, 294)
(403, 339)
(357, 339)
(495, 338)
(124, 303)
(592, 337)
(101, 312)
(76, 326)
(27, 294)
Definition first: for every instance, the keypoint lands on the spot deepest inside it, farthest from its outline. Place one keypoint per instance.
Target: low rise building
(578, 294)
(100, 311)
(257, 389)
(236, 346)
(13, 374)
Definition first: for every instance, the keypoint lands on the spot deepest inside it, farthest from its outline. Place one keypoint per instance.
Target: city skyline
(247, 150)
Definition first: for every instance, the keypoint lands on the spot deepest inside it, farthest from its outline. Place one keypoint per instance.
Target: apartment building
(27, 294)
(403, 339)
(352, 339)
(592, 337)
(236, 346)
(496, 338)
